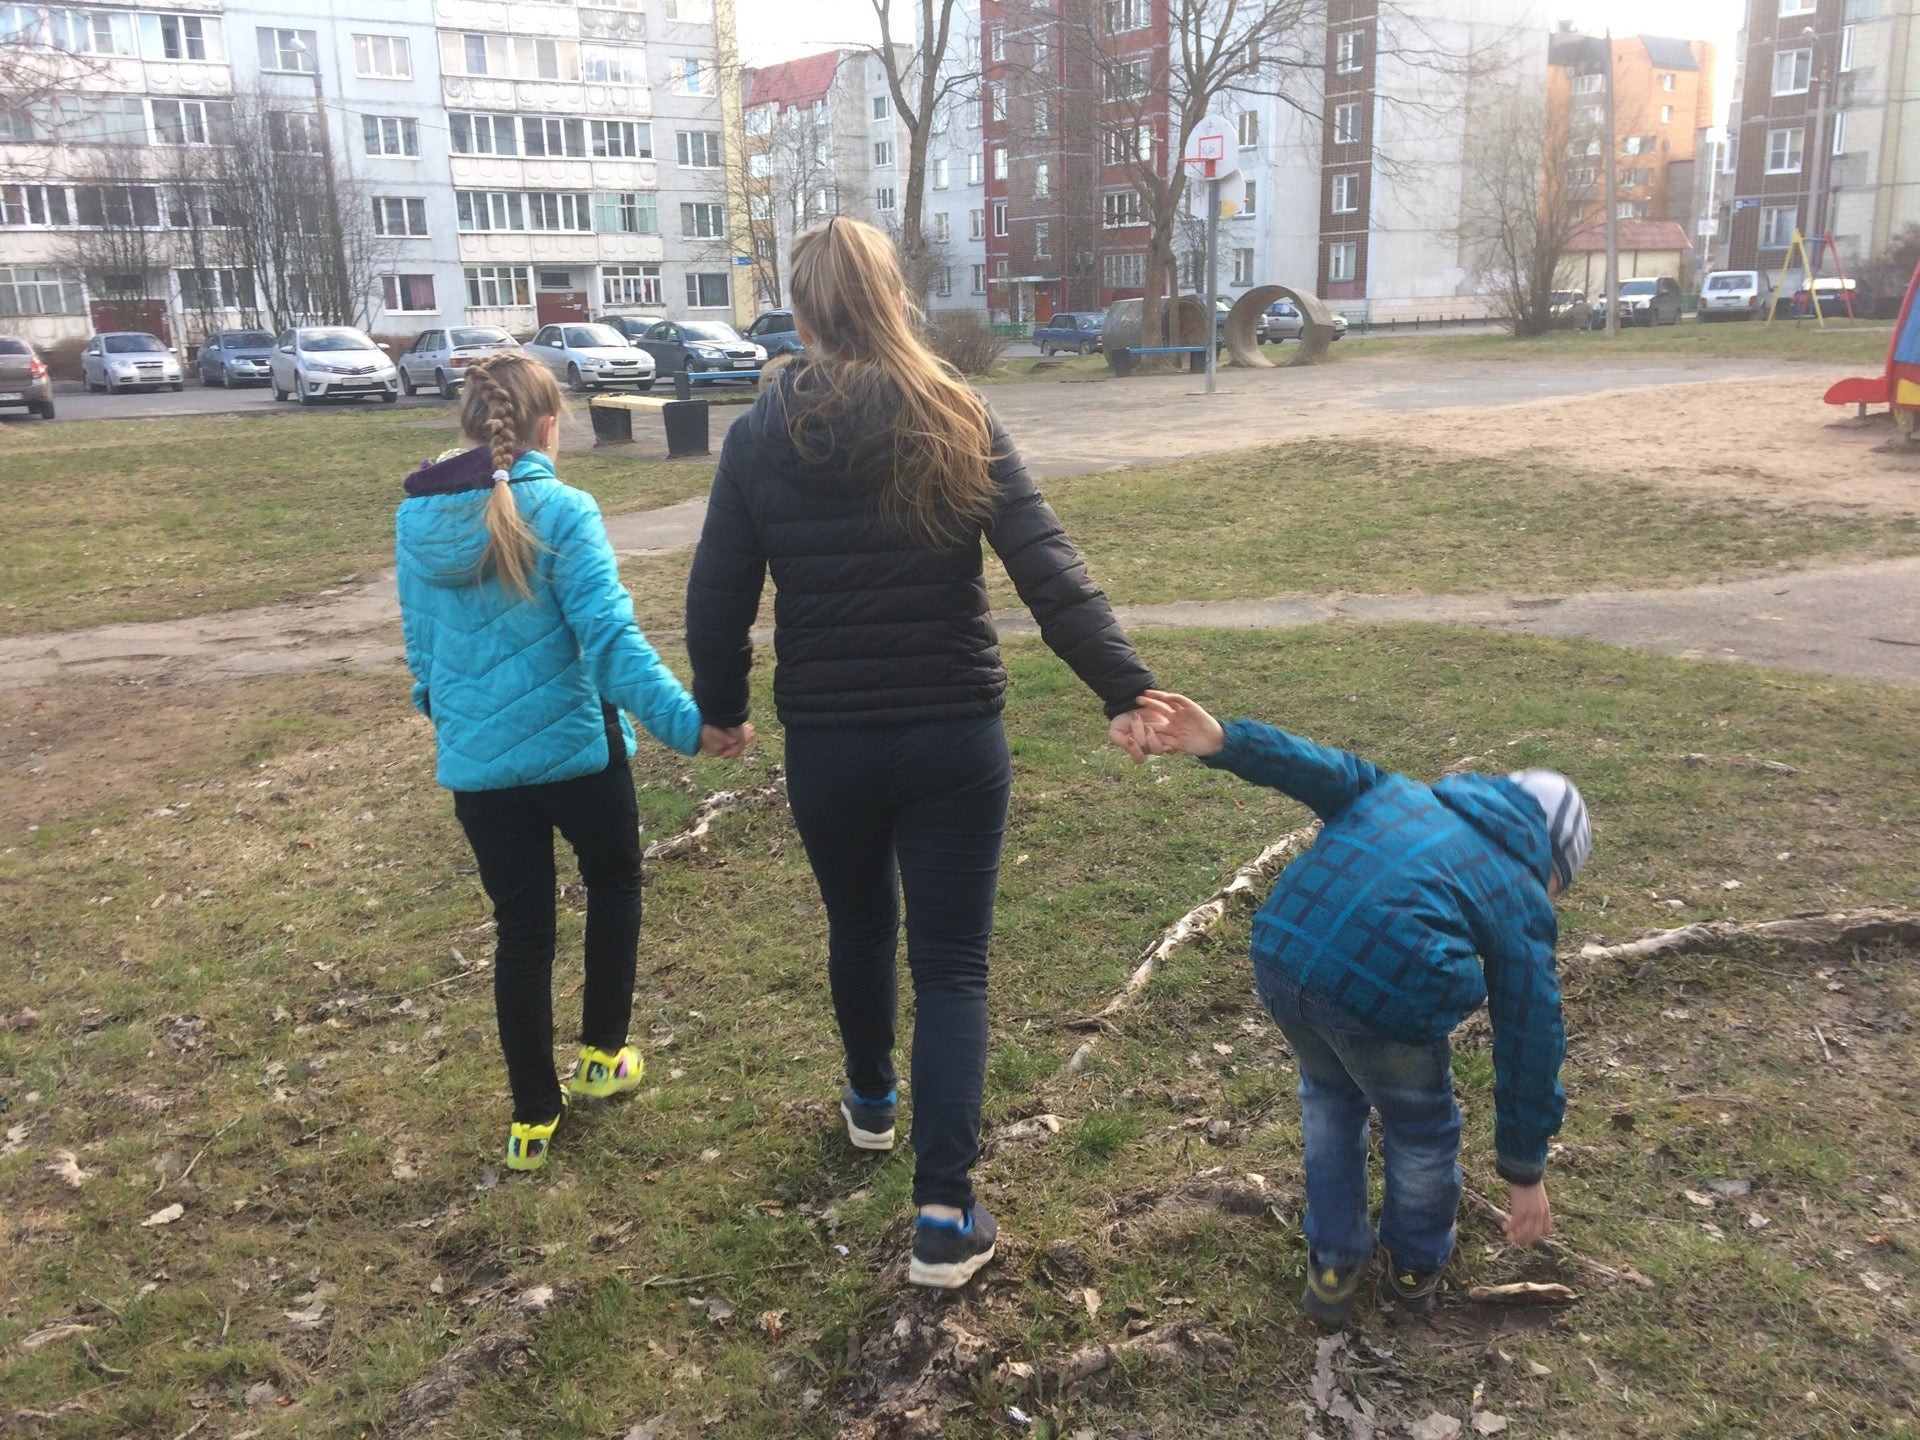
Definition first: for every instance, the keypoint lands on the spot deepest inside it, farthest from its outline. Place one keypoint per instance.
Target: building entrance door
(555, 300)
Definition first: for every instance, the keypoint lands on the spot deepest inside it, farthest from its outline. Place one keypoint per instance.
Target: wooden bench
(685, 420)
(1120, 360)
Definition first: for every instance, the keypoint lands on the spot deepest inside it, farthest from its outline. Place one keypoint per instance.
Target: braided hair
(505, 401)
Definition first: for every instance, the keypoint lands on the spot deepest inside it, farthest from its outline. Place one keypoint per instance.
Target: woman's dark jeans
(511, 832)
(920, 811)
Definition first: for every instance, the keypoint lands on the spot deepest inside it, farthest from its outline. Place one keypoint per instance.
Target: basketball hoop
(1208, 151)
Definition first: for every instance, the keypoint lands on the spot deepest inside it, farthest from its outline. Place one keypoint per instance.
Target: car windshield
(334, 340)
(480, 337)
(775, 324)
(10, 346)
(1639, 287)
(595, 337)
(132, 345)
(249, 340)
(712, 331)
(1730, 282)
(1565, 297)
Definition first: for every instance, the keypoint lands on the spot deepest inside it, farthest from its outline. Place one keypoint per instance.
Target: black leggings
(919, 810)
(511, 832)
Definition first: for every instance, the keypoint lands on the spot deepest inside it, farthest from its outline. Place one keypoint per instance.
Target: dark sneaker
(869, 1122)
(1328, 1298)
(1415, 1291)
(947, 1252)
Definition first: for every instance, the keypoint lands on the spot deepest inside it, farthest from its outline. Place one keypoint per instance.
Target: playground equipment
(1243, 323)
(1899, 387)
(1124, 335)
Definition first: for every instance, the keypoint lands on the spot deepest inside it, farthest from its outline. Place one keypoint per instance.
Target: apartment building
(1663, 114)
(1825, 131)
(954, 210)
(821, 139)
(427, 161)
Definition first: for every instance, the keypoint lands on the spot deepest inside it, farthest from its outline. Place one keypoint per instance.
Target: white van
(1735, 295)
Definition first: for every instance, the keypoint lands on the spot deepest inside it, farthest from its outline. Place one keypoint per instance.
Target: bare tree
(1524, 194)
(792, 183)
(922, 79)
(42, 61)
(119, 244)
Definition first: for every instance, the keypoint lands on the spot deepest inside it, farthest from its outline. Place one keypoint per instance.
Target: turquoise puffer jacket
(514, 684)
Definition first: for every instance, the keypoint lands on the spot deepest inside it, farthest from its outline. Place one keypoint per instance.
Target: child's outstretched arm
(1325, 780)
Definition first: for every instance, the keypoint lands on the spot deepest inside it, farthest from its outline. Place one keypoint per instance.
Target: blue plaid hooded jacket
(1416, 904)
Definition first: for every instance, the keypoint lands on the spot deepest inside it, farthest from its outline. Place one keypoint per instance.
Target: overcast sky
(780, 29)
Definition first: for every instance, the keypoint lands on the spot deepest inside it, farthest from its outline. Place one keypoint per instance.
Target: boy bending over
(1415, 904)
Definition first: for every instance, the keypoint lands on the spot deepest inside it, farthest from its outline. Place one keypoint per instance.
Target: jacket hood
(441, 530)
(1505, 814)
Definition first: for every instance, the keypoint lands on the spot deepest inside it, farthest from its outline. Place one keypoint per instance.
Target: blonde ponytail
(506, 399)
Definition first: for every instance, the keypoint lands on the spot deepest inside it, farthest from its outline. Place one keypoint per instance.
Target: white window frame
(979, 279)
(1346, 123)
(1343, 260)
(708, 151)
(937, 172)
(1846, 49)
(977, 224)
(409, 211)
(1666, 114)
(882, 154)
(305, 55)
(382, 57)
(632, 285)
(483, 281)
(976, 168)
(1345, 199)
(613, 65)
(398, 290)
(1839, 132)
(999, 162)
(404, 131)
(1250, 201)
(1243, 265)
(1798, 66)
(695, 291)
(1771, 225)
(999, 219)
(703, 220)
(1247, 128)
(1042, 240)
(885, 199)
(1786, 150)
(1349, 52)
(1042, 181)
(882, 107)
(1798, 7)
(1120, 209)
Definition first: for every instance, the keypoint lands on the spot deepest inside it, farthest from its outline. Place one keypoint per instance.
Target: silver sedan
(128, 359)
(591, 357)
(439, 357)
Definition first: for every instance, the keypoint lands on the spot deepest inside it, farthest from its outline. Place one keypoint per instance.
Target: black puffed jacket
(872, 627)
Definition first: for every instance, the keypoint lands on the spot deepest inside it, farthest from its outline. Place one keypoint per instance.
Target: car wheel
(177, 386)
(1047, 350)
(643, 386)
(389, 397)
(573, 377)
(304, 398)
(406, 382)
(445, 384)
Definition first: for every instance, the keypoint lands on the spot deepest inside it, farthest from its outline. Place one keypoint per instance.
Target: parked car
(1646, 300)
(592, 357)
(1734, 295)
(438, 357)
(236, 357)
(1836, 295)
(1567, 309)
(1075, 330)
(700, 347)
(24, 379)
(776, 333)
(331, 362)
(631, 326)
(128, 359)
(1283, 321)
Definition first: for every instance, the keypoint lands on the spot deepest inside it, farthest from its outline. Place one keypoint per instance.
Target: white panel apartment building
(509, 162)
(954, 212)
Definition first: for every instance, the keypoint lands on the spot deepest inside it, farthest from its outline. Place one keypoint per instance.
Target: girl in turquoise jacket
(525, 655)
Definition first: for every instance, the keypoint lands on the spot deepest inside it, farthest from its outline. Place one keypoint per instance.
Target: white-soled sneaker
(946, 1253)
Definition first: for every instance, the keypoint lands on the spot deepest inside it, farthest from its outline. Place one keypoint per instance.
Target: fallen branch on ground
(1189, 1346)
(716, 804)
(1800, 932)
(1627, 1276)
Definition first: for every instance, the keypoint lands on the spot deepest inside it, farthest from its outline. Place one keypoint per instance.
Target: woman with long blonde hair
(524, 654)
(864, 479)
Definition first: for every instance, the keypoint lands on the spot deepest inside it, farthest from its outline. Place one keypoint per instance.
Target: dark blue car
(1075, 330)
(776, 332)
(236, 357)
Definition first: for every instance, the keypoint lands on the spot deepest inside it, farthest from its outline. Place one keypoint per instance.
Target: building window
(884, 200)
(882, 152)
(292, 132)
(1126, 271)
(621, 139)
(937, 170)
(1125, 15)
(694, 77)
(216, 289)
(1343, 260)
(999, 218)
(399, 215)
(484, 134)
(1042, 240)
(976, 224)
(698, 149)
(944, 285)
(1119, 208)
(999, 162)
(632, 285)
(382, 57)
(1798, 7)
(1127, 80)
(1792, 72)
(408, 294)
(1349, 52)
(1128, 144)
(1666, 114)
(613, 65)
(1588, 82)
(1346, 193)
(626, 213)
(1666, 80)
(882, 107)
(1631, 210)
(1042, 115)
(544, 135)
(1249, 205)
(996, 96)
(287, 52)
(1346, 124)
(976, 168)
(979, 279)
(703, 220)
(1042, 55)
(996, 44)
(496, 285)
(392, 135)
(1840, 132)
(177, 37)
(29, 290)
(1042, 182)
(1777, 224)
(1586, 117)
(707, 290)
(1784, 149)
(1248, 124)
(191, 122)
(511, 56)
(942, 227)
(1243, 266)
(36, 207)
(1846, 48)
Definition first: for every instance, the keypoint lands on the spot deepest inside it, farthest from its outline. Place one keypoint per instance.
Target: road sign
(1210, 149)
(1746, 204)
(743, 259)
(1708, 227)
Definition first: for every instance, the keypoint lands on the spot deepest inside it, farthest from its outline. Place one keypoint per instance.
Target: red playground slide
(1899, 387)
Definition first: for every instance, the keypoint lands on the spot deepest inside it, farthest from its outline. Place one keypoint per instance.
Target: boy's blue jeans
(1347, 1070)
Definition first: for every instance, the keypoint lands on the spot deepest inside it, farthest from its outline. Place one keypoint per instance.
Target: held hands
(728, 743)
(1165, 722)
(1529, 1216)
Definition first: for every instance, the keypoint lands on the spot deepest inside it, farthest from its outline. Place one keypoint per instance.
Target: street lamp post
(336, 231)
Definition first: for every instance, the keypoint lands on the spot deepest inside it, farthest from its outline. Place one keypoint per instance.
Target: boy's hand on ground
(1185, 726)
(728, 743)
(1529, 1216)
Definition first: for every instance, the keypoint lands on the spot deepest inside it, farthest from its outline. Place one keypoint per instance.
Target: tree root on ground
(1814, 931)
(503, 1350)
(671, 847)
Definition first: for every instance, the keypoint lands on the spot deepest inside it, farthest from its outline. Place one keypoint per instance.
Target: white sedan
(590, 356)
(327, 362)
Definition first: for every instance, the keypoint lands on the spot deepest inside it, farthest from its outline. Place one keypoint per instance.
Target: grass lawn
(153, 519)
(1840, 342)
(246, 977)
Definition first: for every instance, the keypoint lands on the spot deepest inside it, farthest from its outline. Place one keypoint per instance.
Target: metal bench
(1121, 360)
(685, 419)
